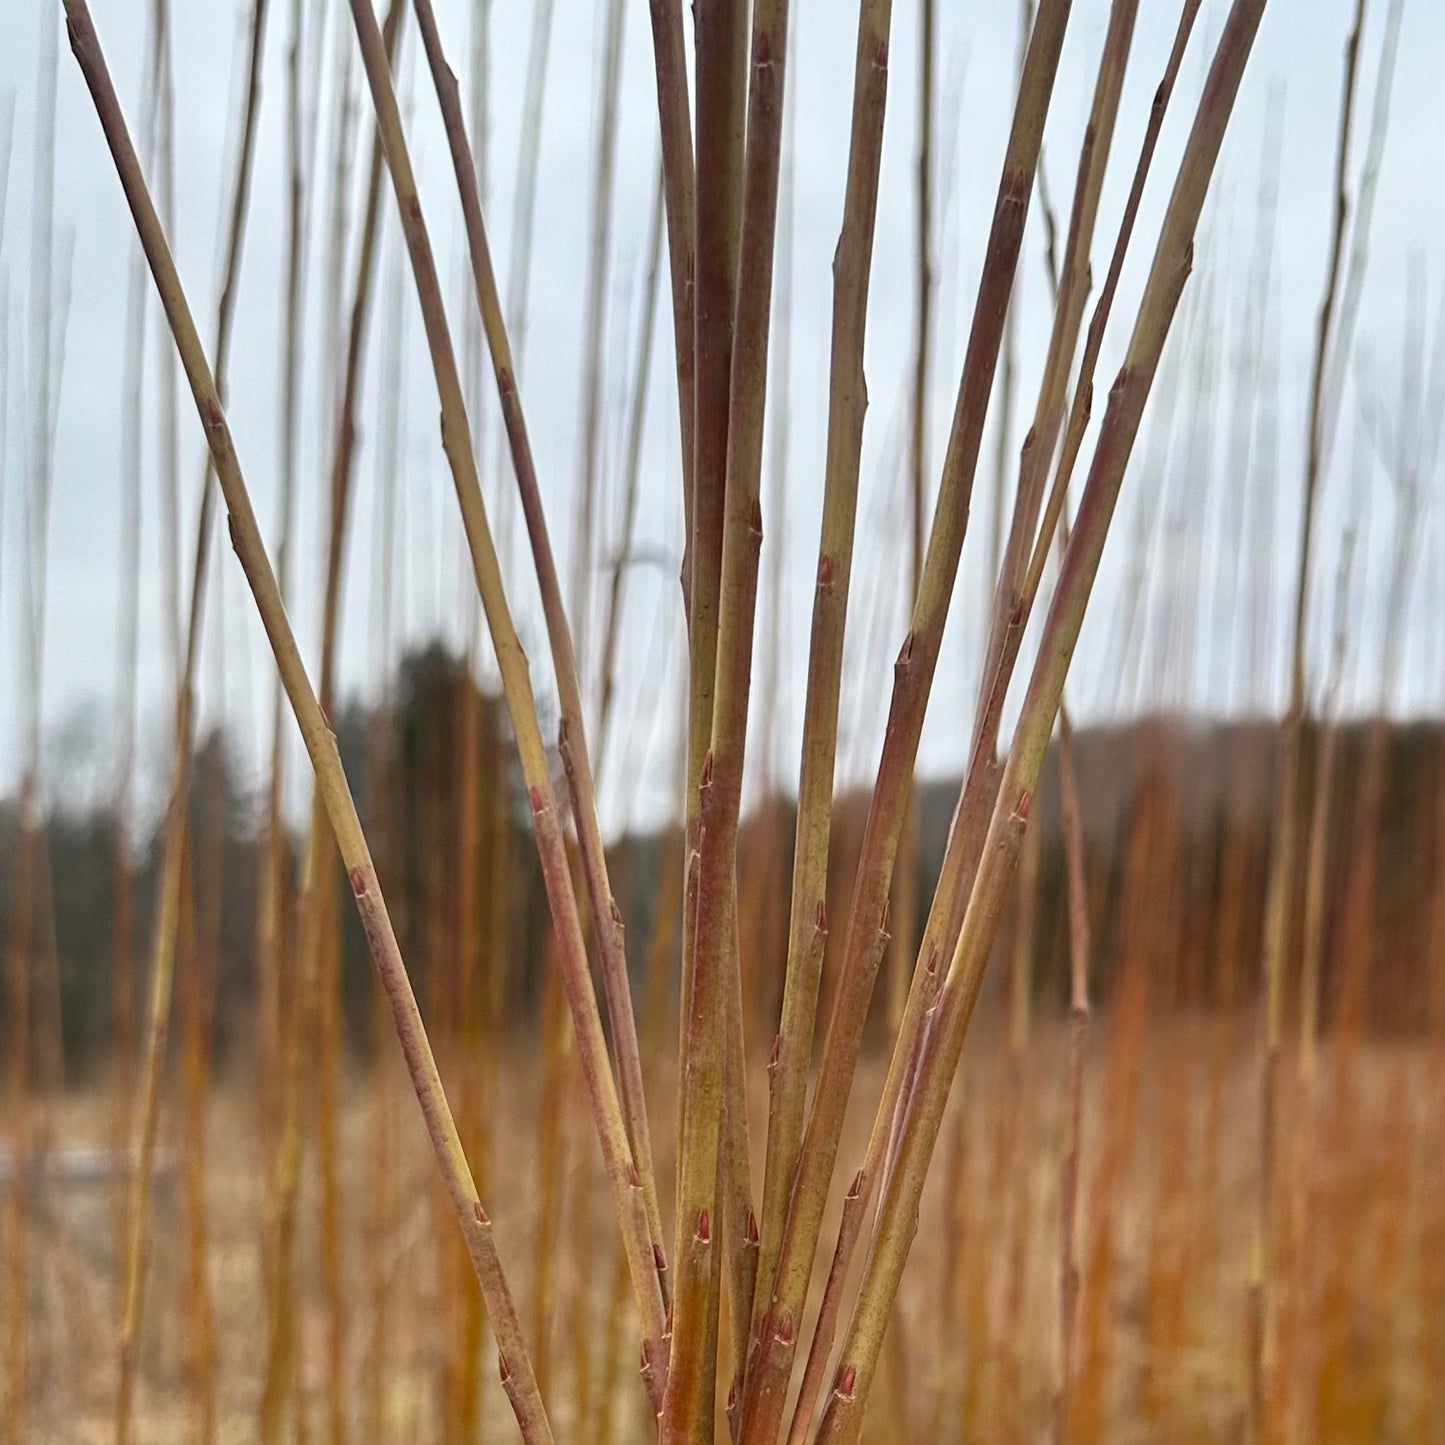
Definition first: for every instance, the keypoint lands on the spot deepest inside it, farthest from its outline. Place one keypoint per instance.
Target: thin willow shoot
(313, 903)
(515, 1364)
(847, 398)
(898, 1212)
(174, 868)
(605, 916)
(622, 1170)
(1284, 855)
(913, 677)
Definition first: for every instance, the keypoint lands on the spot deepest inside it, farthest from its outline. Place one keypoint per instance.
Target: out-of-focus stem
(679, 188)
(524, 213)
(173, 865)
(272, 888)
(312, 908)
(1317, 860)
(1080, 948)
(1284, 855)
(35, 531)
(128, 652)
(631, 472)
(595, 319)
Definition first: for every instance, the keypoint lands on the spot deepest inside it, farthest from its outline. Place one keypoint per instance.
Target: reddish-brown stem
(899, 1212)
(707, 982)
(606, 916)
(913, 678)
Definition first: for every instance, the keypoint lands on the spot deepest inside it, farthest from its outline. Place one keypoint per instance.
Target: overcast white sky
(1298, 59)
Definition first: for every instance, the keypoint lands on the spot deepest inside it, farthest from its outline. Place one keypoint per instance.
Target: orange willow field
(722, 722)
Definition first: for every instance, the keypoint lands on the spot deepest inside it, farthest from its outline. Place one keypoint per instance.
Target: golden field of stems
(1164, 1240)
(1088, 1089)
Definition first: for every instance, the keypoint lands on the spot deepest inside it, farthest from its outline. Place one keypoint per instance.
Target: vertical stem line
(515, 1366)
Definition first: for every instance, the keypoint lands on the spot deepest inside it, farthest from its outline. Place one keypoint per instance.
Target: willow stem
(515, 1366)
(176, 844)
(1173, 255)
(913, 679)
(847, 404)
(606, 916)
(622, 1173)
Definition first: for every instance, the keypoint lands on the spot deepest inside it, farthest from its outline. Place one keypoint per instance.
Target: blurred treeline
(1177, 821)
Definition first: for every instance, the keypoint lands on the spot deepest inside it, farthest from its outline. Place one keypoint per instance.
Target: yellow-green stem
(847, 403)
(721, 81)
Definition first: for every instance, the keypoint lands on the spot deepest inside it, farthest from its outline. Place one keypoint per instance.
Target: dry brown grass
(1368, 1299)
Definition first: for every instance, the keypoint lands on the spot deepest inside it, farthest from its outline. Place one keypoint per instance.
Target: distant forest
(1182, 784)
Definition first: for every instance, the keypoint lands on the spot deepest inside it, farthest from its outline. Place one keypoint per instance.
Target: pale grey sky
(1298, 58)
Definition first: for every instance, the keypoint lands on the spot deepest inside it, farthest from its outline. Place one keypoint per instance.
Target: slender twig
(198, 946)
(1364, 211)
(1080, 948)
(381, 759)
(515, 1366)
(599, 245)
(622, 1170)
(606, 917)
(943, 1045)
(631, 471)
(271, 890)
(173, 868)
(679, 187)
(480, 744)
(312, 907)
(128, 652)
(1249, 459)
(524, 203)
(35, 531)
(524, 213)
(913, 678)
(1401, 455)
(847, 401)
(161, 139)
(1284, 855)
